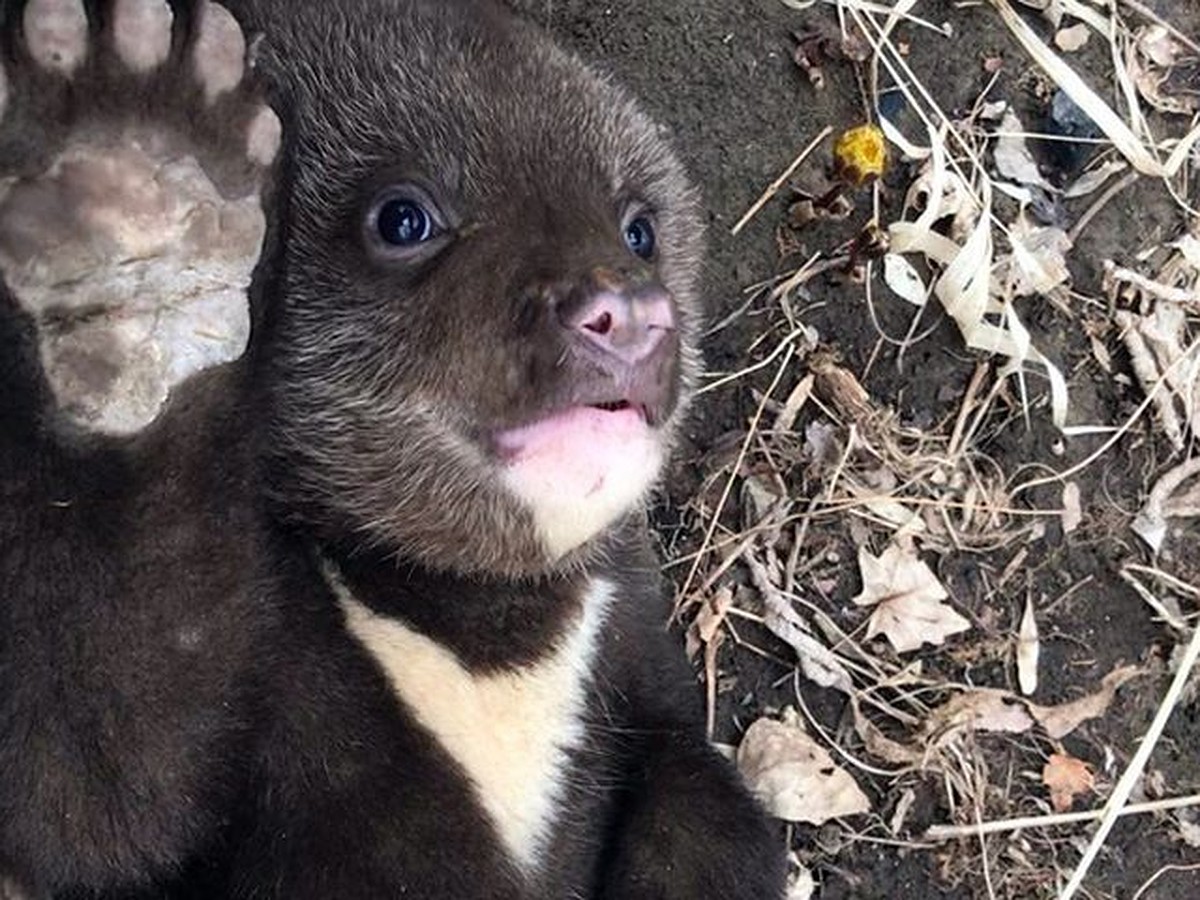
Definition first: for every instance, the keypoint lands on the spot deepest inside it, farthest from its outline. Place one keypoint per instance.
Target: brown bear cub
(341, 342)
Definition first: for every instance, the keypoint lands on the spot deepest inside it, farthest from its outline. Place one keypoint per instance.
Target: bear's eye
(403, 222)
(639, 237)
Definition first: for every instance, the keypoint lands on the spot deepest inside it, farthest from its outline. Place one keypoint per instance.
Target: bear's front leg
(685, 826)
(136, 153)
(688, 829)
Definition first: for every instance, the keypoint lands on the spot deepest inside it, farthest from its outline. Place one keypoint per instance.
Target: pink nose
(630, 328)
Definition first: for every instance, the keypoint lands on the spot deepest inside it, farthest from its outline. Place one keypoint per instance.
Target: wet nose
(627, 326)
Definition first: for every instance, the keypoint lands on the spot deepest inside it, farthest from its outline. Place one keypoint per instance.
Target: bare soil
(719, 74)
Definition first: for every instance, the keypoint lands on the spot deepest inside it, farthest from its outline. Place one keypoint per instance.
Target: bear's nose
(628, 325)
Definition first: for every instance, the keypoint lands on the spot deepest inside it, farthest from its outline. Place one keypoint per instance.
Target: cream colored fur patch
(571, 505)
(510, 731)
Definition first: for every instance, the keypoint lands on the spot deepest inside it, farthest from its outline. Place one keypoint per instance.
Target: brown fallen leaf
(821, 44)
(806, 209)
(908, 621)
(991, 709)
(707, 624)
(1061, 720)
(980, 709)
(1067, 778)
(1093, 179)
(793, 776)
(907, 597)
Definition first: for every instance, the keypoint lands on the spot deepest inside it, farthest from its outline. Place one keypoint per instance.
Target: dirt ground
(720, 75)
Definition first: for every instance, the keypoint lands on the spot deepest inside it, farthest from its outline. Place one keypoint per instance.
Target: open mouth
(579, 467)
(582, 429)
(614, 406)
(619, 406)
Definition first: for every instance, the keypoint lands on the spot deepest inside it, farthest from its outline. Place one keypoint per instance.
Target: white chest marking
(510, 731)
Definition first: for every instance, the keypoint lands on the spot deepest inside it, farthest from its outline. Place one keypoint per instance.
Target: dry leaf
(904, 519)
(1012, 156)
(821, 442)
(1039, 252)
(810, 51)
(908, 621)
(762, 493)
(1151, 59)
(707, 624)
(1189, 831)
(982, 709)
(1071, 39)
(1159, 341)
(988, 709)
(1028, 651)
(1093, 179)
(908, 599)
(963, 266)
(1167, 499)
(1067, 778)
(900, 814)
(902, 278)
(786, 419)
(1157, 45)
(793, 776)
(805, 210)
(1072, 513)
(823, 44)
(817, 661)
(1061, 720)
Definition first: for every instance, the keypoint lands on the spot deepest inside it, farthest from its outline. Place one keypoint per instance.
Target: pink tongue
(580, 440)
(579, 470)
(567, 431)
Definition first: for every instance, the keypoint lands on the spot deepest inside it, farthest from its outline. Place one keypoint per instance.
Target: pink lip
(591, 425)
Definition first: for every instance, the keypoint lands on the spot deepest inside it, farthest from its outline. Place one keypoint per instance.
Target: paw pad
(220, 51)
(142, 33)
(56, 33)
(132, 242)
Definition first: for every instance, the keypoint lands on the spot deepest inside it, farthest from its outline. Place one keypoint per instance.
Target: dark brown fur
(182, 712)
(490, 116)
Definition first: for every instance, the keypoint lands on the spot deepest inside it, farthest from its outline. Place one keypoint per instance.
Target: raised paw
(134, 156)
